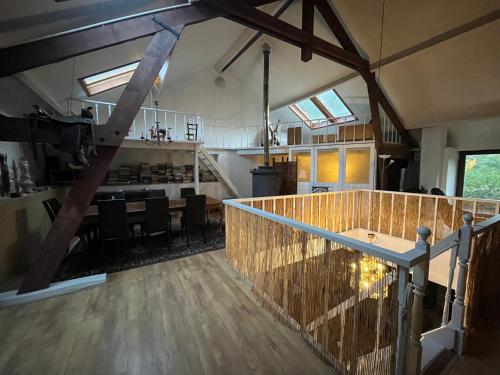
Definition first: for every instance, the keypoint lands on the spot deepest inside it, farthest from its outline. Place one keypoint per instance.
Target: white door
(303, 157)
(327, 167)
(358, 167)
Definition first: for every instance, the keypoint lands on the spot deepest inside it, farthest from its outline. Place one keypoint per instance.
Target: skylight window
(108, 80)
(331, 100)
(327, 107)
(309, 109)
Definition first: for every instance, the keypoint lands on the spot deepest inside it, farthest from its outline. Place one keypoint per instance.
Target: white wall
(233, 105)
(431, 157)
(441, 145)
(238, 169)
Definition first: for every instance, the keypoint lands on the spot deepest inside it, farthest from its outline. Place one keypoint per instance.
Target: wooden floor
(483, 354)
(188, 316)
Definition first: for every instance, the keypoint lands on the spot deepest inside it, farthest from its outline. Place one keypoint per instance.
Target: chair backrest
(187, 192)
(112, 218)
(157, 214)
(106, 195)
(52, 206)
(157, 193)
(196, 208)
(136, 195)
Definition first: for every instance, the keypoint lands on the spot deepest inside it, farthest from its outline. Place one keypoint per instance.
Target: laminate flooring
(188, 316)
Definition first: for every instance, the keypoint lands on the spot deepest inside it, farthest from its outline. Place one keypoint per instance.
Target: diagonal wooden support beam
(75, 205)
(41, 52)
(377, 129)
(241, 12)
(308, 27)
(340, 33)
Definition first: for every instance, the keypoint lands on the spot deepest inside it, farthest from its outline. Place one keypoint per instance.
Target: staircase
(214, 167)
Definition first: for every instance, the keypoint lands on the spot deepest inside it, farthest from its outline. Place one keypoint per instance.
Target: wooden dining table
(177, 204)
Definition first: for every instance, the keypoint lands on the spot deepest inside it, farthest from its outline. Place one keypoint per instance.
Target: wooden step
(440, 362)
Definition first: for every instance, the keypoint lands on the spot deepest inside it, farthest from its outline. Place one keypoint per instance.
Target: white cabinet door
(303, 157)
(328, 167)
(358, 164)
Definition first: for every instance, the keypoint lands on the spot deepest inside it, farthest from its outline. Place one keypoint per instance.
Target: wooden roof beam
(41, 52)
(75, 205)
(340, 33)
(241, 12)
(307, 27)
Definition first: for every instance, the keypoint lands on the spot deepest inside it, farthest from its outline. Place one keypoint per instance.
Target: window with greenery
(482, 176)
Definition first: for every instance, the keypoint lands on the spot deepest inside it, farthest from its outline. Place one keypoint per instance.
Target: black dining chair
(113, 223)
(158, 219)
(194, 216)
(136, 195)
(157, 193)
(52, 206)
(187, 192)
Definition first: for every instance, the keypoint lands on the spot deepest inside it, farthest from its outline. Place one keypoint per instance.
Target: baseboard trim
(11, 298)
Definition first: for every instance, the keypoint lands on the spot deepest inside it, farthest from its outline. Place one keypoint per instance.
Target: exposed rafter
(241, 12)
(377, 129)
(30, 55)
(245, 41)
(307, 27)
(340, 33)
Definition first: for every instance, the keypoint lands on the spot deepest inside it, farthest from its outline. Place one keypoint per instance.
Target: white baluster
(420, 279)
(458, 309)
(451, 276)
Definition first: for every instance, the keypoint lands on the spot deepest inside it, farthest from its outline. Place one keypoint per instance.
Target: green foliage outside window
(482, 176)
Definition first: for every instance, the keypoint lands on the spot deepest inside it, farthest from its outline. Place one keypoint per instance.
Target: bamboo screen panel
(400, 214)
(335, 211)
(482, 301)
(392, 213)
(342, 301)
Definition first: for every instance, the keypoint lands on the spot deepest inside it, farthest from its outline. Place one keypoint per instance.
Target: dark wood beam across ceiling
(241, 12)
(307, 27)
(373, 87)
(50, 50)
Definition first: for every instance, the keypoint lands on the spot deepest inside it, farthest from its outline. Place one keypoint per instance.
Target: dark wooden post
(75, 205)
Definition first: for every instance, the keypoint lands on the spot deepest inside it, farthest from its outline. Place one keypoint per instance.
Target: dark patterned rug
(119, 256)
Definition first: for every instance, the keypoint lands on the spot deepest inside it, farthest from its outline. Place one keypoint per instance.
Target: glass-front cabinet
(335, 167)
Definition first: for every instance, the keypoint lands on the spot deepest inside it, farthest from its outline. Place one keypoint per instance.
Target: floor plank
(187, 316)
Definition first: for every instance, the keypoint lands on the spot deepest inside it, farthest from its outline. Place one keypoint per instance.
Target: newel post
(464, 252)
(420, 278)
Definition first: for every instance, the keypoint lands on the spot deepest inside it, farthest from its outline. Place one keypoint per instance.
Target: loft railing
(145, 119)
(312, 132)
(347, 296)
(354, 128)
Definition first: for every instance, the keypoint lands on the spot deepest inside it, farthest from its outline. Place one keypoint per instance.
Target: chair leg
(187, 236)
(203, 234)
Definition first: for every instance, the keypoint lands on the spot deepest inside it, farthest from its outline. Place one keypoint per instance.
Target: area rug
(119, 256)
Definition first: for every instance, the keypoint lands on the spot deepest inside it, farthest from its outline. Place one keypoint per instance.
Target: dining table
(176, 204)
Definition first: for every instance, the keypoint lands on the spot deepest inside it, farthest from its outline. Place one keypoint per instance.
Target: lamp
(157, 134)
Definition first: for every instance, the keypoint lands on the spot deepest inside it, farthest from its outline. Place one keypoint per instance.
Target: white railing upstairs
(147, 117)
(356, 128)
